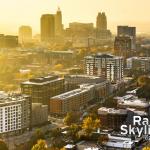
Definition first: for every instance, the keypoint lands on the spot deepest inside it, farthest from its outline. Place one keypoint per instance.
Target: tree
(38, 134)
(70, 118)
(41, 145)
(73, 130)
(144, 92)
(58, 67)
(110, 103)
(56, 132)
(143, 80)
(146, 148)
(89, 125)
(3, 145)
(56, 139)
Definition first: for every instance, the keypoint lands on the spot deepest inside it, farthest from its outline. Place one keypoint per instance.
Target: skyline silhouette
(26, 12)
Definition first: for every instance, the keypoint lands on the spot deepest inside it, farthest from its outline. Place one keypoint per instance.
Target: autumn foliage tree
(70, 118)
(58, 67)
(73, 131)
(89, 125)
(41, 145)
(3, 145)
(146, 148)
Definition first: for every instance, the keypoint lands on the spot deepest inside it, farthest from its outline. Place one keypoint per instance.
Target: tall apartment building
(139, 63)
(122, 46)
(126, 31)
(58, 23)
(43, 88)
(101, 21)
(71, 101)
(25, 34)
(104, 65)
(47, 27)
(101, 27)
(115, 70)
(15, 113)
(51, 26)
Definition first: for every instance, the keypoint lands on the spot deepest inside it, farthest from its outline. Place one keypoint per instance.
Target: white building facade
(105, 65)
(15, 113)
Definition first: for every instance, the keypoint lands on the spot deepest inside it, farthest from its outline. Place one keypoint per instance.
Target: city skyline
(72, 11)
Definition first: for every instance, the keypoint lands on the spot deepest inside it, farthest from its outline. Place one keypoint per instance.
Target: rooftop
(132, 92)
(140, 113)
(10, 98)
(83, 76)
(73, 92)
(87, 145)
(119, 144)
(69, 146)
(102, 55)
(42, 80)
(133, 101)
(104, 110)
(139, 58)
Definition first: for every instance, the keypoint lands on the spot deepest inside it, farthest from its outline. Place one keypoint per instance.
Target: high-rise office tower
(101, 28)
(47, 27)
(126, 31)
(104, 65)
(101, 22)
(122, 46)
(25, 34)
(58, 23)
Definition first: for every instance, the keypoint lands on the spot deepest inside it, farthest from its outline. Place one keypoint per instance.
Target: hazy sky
(14, 13)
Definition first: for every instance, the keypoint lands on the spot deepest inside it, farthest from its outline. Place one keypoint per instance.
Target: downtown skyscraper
(47, 27)
(102, 32)
(58, 23)
(51, 26)
(101, 22)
